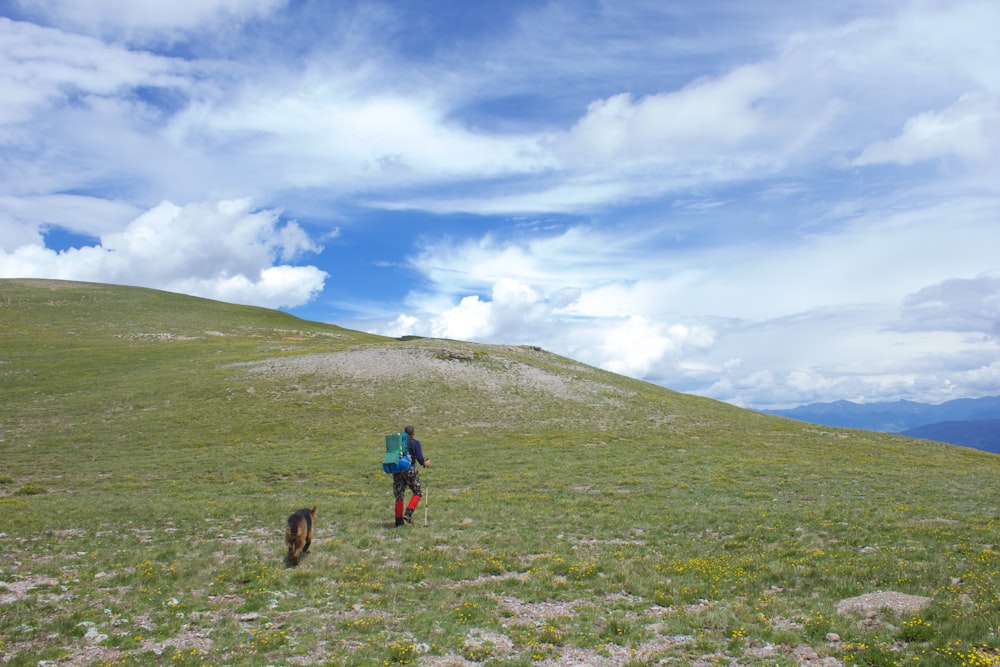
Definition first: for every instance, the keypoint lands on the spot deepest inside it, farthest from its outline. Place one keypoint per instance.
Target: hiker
(409, 478)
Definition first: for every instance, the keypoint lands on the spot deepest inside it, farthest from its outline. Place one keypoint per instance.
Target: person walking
(409, 479)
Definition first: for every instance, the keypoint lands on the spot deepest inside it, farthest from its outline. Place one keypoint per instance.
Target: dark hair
(409, 430)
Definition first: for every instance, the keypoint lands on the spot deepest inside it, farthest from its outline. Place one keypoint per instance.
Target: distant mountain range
(969, 422)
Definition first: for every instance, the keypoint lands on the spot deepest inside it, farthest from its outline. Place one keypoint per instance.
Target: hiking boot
(408, 515)
(399, 521)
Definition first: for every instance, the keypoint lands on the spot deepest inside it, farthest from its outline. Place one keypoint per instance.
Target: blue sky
(765, 203)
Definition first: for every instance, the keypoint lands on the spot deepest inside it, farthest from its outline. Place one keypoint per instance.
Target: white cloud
(548, 261)
(701, 120)
(329, 127)
(84, 117)
(43, 68)
(513, 308)
(635, 346)
(962, 305)
(863, 257)
(224, 251)
(469, 320)
(24, 219)
(340, 122)
(518, 314)
(969, 129)
(272, 287)
(403, 325)
(854, 356)
(130, 15)
(816, 97)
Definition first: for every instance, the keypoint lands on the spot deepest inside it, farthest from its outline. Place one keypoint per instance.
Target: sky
(765, 203)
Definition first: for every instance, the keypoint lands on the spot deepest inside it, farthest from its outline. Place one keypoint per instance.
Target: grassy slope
(150, 451)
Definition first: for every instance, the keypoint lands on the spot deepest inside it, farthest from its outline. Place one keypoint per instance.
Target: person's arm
(418, 452)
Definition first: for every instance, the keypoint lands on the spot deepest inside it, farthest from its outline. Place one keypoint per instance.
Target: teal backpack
(397, 456)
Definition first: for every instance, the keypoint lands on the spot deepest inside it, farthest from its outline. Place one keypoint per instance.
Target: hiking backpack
(397, 456)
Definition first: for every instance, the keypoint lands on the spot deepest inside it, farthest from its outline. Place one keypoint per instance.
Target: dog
(299, 534)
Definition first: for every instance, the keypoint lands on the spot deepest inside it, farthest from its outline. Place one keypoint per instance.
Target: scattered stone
(92, 636)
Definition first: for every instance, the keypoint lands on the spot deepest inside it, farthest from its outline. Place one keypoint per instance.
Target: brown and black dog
(299, 534)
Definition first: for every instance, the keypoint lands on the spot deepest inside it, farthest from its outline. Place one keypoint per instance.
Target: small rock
(94, 637)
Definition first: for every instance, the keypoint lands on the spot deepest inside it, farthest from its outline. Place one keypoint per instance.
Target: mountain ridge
(968, 422)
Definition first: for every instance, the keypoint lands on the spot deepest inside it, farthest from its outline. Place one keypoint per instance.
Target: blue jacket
(416, 451)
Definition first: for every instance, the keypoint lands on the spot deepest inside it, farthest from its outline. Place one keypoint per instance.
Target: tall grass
(151, 446)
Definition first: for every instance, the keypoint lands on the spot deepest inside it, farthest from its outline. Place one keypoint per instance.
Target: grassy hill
(152, 445)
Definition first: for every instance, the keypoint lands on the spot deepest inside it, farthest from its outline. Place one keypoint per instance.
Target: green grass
(149, 458)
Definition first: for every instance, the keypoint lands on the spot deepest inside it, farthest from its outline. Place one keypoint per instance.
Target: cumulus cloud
(222, 250)
(638, 346)
(469, 320)
(513, 310)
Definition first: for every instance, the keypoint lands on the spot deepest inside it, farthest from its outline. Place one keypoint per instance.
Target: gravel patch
(18, 590)
(493, 373)
(871, 603)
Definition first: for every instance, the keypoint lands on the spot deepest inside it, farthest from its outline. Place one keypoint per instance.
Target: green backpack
(397, 456)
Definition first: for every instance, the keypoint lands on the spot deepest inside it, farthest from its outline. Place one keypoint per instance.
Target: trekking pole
(426, 495)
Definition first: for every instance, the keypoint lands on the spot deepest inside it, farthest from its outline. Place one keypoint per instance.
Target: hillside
(152, 445)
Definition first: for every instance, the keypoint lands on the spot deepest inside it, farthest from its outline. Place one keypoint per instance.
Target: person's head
(409, 430)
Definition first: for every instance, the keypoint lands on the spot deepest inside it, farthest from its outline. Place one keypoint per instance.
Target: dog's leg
(290, 543)
(293, 537)
(310, 519)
